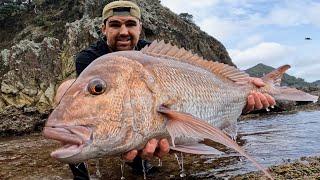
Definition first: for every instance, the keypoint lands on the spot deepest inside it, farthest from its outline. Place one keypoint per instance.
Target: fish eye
(97, 86)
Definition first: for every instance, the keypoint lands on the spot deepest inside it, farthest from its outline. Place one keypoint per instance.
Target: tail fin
(273, 80)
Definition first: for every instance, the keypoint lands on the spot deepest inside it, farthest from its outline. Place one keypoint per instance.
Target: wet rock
(304, 168)
(20, 100)
(286, 105)
(29, 109)
(8, 89)
(30, 68)
(49, 93)
(29, 63)
(30, 91)
(2, 105)
(80, 34)
(46, 99)
(14, 121)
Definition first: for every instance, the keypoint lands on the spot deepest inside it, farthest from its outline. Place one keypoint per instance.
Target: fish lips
(74, 138)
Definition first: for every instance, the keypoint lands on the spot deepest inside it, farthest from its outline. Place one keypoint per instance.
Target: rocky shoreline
(28, 157)
(278, 111)
(304, 168)
(20, 122)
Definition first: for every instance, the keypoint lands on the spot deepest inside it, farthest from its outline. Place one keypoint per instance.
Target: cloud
(314, 14)
(250, 41)
(304, 65)
(309, 73)
(252, 13)
(290, 13)
(269, 53)
(307, 67)
(180, 6)
(219, 28)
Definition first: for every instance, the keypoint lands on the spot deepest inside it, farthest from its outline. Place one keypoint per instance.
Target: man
(121, 29)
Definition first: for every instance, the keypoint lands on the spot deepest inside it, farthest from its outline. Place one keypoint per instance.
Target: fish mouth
(74, 139)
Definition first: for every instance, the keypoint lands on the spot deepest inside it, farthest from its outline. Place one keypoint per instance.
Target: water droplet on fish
(144, 170)
(122, 170)
(98, 174)
(177, 158)
(182, 174)
(160, 163)
(181, 165)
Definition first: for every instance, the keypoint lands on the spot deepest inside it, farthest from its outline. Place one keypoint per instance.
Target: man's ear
(103, 29)
(140, 26)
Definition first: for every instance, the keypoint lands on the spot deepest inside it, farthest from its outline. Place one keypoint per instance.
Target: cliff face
(29, 74)
(41, 38)
(38, 19)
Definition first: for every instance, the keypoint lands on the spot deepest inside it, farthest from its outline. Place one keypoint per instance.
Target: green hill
(316, 83)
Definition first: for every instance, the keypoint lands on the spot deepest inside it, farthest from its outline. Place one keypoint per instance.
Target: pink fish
(123, 99)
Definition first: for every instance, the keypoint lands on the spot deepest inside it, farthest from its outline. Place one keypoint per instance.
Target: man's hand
(257, 100)
(152, 148)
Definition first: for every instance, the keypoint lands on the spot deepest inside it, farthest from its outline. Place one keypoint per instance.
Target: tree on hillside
(187, 17)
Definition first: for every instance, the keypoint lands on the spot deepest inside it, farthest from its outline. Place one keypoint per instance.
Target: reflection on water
(274, 140)
(270, 140)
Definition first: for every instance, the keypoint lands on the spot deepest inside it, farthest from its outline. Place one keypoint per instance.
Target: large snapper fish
(123, 99)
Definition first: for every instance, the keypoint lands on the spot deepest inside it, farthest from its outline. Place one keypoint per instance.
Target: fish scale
(200, 93)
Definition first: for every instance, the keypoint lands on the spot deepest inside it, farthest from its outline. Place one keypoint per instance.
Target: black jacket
(100, 48)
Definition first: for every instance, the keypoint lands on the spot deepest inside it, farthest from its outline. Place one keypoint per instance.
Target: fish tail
(273, 80)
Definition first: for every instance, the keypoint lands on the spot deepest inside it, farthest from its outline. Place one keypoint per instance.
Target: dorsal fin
(161, 49)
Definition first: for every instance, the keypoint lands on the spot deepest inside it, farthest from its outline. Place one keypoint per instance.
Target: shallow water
(270, 140)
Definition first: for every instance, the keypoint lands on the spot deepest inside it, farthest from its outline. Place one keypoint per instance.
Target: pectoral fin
(196, 149)
(183, 124)
(62, 90)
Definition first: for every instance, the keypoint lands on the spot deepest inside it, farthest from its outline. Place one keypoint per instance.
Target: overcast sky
(271, 32)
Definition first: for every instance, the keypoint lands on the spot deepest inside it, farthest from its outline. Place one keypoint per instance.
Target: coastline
(304, 168)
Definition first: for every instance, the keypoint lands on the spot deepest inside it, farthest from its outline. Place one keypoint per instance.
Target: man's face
(122, 32)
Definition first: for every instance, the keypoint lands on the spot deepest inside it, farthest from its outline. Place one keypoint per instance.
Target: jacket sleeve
(83, 59)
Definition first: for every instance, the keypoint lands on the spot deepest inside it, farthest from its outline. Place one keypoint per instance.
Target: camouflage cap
(122, 8)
